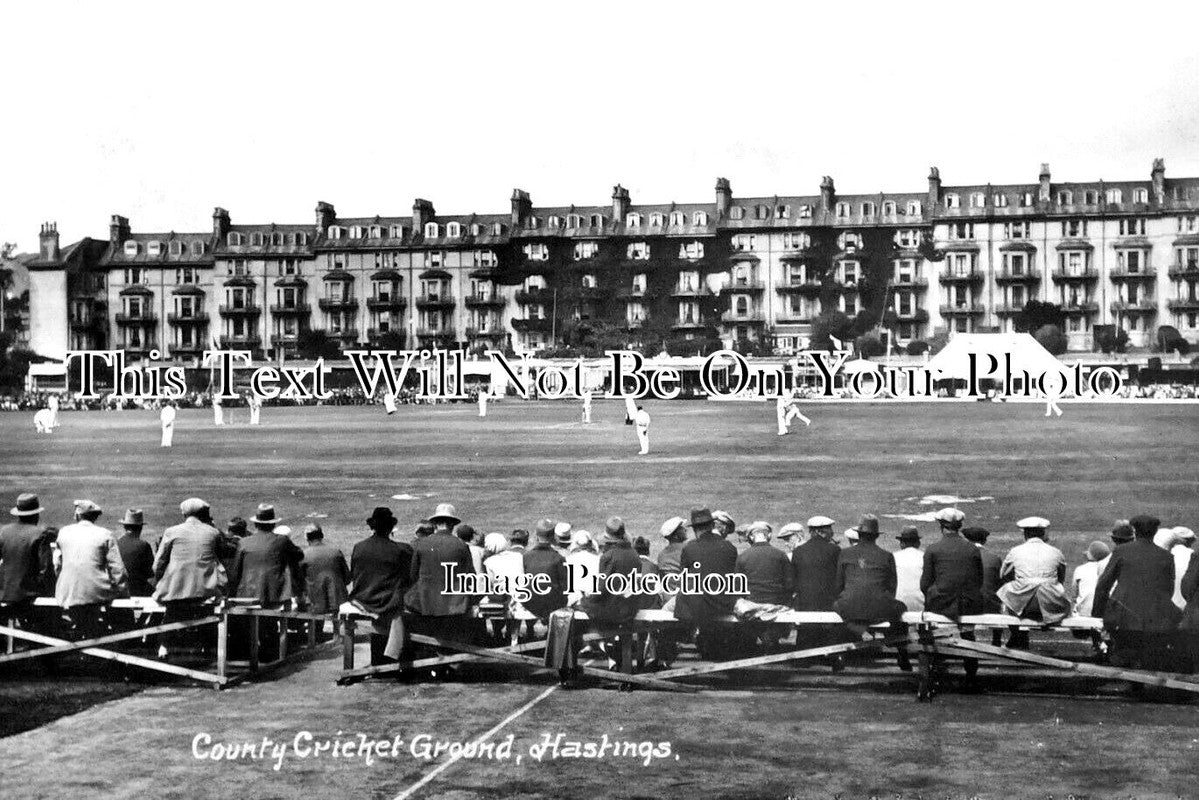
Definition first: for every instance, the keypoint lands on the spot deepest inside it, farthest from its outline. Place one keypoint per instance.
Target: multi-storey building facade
(1123, 254)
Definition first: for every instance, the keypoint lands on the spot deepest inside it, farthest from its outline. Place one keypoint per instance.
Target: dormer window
(805, 212)
(554, 223)
(1091, 197)
(761, 212)
(376, 232)
(176, 247)
(131, 248)
(1026, 200)
(432, 230)
(699, 218)
(978, 200)
(914, 208)
(1115, 196)
(335, 232)
(999, 200)
(476, 229)
(533, 223)
(233, 239)
(1065, 198)
(1140, 195)
(395, 232)
(597, 220)
(632, 220)
(888, 208)
(453, 230)
(300, 239)
(677, 218)
(655, 220)
(198, 248)
(842, 210)
(736, 212)
(572, 221)
(867, 209)
(497, 229)
(953, 201)
(782, 212)
(277, 239)
(154, 248)
(256, 239)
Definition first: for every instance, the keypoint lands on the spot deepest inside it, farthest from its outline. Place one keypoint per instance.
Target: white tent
(1026, 353)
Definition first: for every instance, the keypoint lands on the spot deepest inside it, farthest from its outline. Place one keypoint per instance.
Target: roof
(189, 254)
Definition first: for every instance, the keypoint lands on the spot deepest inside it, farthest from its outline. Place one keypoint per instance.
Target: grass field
(773, 733)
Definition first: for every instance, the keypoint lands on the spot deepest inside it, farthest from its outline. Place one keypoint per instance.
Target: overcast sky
(264, 109)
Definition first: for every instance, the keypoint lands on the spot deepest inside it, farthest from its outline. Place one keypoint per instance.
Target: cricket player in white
(389, 403)
(587, 406)
(53, 406)
(218, 412)
(43, 421)
(1052, 394)
(641, 419)
(167, 417)
(483, 402)
(255, 404)
(787, 409)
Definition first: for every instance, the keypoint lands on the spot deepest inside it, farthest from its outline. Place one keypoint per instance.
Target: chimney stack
(522, 206)
(828, 192)
(48, 240)
(724, 198)
(118, 230)
(934, 189)
(620, 203)
(1045, 191)
(1159, 180)
(422, 212)
(326, 215)
(220, 224)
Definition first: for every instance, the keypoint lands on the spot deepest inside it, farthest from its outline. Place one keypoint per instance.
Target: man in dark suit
(136, 554)
(814, 564)
(261, 568)
(953, 576)
(380, 574)
(707, 554)
(991, 564)
(544, 559)
(325, 572)
(616, 558)
(768, 571)
(866, 584)
(26, 562)
(1139, 612)
(435, 612)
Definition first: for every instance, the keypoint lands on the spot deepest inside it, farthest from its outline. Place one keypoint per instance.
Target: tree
(1051, 338)
(1167, 338)
(1112, 339)
(917, 347)
(937, 342)
(829, 325)
(1036, 315)
(392, 340)
(869, 345)
(315, 343)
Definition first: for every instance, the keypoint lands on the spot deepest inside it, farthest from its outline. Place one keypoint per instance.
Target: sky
(161, 111)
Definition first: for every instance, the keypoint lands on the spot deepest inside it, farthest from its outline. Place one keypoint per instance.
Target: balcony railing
(1080, 306)
(386, 304)
(961, 310)
(484, 301)
(912, 315)
(531, 324)
(1027, 276)
(239, 311)
(811, 287)
(484, 333)
(345, 334)
(1184, 271)
(337, 303)
(295, 309)
(696, 290)
(971, 276)
(1183, 304)
(1146, 305)
(1074, 275)
(745, 286)
(374, 334)
(534, 297)
(1143, 274)
(689, 323)
(248, 342)
(140, 318)
(188, 319)
(909, 283)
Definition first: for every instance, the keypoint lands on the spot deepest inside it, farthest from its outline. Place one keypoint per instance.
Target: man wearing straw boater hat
(380, 574)
(436, 611)
(1032, 580)
(26, 563)
(136, 554)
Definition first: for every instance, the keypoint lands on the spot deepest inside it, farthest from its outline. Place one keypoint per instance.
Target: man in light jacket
(92, 574)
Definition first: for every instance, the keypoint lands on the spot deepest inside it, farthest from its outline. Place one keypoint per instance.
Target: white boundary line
(404, 795)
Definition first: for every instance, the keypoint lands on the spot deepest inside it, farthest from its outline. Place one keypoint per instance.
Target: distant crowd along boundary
(621, 374)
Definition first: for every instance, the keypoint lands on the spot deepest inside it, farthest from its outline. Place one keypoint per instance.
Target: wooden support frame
(86, 644)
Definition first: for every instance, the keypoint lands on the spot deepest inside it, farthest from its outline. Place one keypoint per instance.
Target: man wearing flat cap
(707, 554)
(1032, 580)
(789, 537)
(136, 554)
(26, 561)
(814, 564)
(544, 559)
(562, 536)
(1139, 612)
(380, 574)
(674, 531)
(768, 573)
(187, 569)
(952, 578)
(326, 572)
(92, 574)
(434, 611)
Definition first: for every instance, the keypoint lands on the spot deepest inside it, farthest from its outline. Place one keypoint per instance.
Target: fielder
(389, 403)
(53, 405)
(255, 404)
(218, 411)
(787, 409)
(167, 417)
(587, 406)
(483, 402)
(43, 421)
(641, 419)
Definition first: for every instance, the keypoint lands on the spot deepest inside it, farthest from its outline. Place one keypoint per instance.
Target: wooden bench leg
(253, 643)
(222, 646)
(347, 644)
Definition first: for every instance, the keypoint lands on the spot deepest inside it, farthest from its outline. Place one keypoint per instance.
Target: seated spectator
(1033, 576)
(326, 573)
